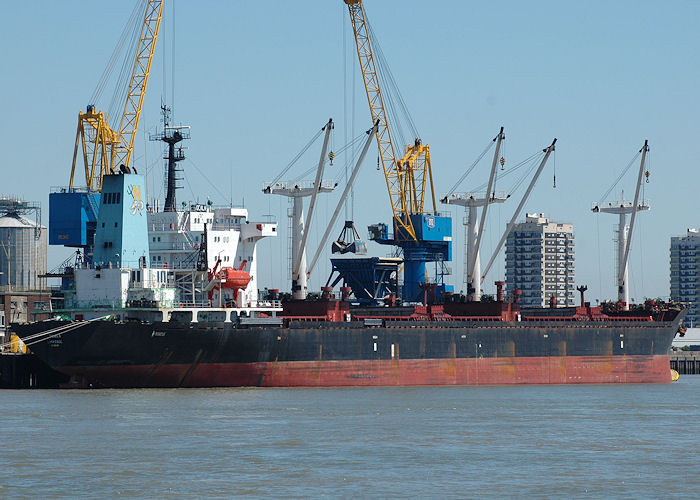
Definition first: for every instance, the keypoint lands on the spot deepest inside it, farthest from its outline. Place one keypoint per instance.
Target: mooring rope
(54, 332)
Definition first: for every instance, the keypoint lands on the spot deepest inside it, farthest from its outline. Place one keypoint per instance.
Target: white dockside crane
(624, 239)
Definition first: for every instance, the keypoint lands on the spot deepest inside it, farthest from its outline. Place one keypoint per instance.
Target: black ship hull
(169, 354)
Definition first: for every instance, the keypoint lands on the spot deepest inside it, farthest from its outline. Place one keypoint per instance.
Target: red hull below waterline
(412, 372)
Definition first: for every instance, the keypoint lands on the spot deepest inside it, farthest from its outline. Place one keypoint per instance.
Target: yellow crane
(103, 149)
(407, 177)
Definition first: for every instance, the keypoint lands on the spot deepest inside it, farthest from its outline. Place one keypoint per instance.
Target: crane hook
(377, 162)
(646, 174)
(503, 162)
(331, 155)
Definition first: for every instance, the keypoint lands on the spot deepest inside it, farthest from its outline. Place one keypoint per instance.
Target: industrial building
(685, 267)
(23, 247)
(540, 261)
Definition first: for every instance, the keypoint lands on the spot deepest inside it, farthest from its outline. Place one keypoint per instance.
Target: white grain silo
(23, 246)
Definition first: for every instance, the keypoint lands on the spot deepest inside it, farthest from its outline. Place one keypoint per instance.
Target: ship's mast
(172, 135)
(472, 202)
(297, 191)
(547, 152)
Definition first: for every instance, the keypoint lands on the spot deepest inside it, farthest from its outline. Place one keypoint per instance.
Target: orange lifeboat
(233, 279)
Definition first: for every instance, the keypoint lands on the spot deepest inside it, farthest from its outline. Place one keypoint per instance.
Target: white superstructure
(176, 238)
(180, 261)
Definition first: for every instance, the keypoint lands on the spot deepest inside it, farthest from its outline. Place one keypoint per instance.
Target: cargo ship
(170, 298)
(328, 343)
(129, 322)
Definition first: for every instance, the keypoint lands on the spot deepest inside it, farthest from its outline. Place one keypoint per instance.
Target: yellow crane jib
(405, 178)
(103, 149)
(415, 164)
(139, 81)
(96, 141)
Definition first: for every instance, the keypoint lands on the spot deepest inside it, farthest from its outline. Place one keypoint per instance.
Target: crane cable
(533, 161)
(129, 29)
(298, 155)
(619, 177)
(471, 167)
(54, 332)
(116, 105)
(527, 161)
(341, 150)
(395, 101)
(172, 61)
(214, 186)
(354, 154)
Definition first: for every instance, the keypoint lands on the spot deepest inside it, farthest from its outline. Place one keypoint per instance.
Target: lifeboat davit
(232, 279)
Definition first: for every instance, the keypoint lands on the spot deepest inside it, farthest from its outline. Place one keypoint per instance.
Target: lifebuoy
(180, 304)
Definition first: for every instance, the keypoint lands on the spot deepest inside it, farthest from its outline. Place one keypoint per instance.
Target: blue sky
(256, 80)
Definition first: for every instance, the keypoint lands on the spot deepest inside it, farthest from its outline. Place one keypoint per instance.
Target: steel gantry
(104, 150)
(408, 177)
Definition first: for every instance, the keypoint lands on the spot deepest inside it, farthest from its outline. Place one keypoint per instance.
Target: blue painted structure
(434, 244)
(122, 231)
(369, 277)
(73, 219)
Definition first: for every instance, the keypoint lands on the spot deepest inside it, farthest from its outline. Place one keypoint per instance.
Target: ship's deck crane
(103, 149)
(624, 236)
(297, 191)
(423, 236)
(509, 227)
(472, 202)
